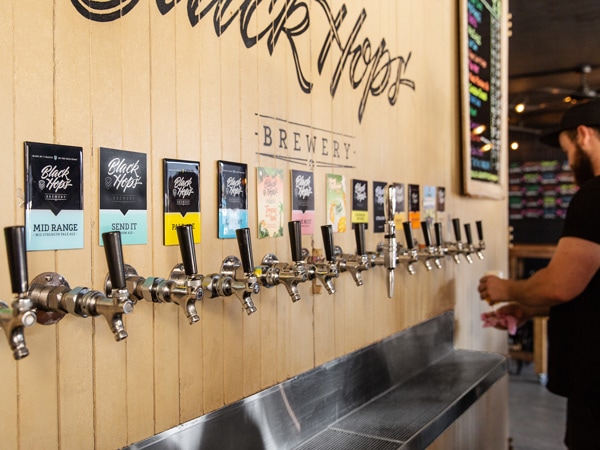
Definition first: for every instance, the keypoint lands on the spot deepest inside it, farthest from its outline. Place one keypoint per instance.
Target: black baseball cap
(587, 113)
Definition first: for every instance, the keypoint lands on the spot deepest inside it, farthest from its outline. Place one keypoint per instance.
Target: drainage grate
(340, 440)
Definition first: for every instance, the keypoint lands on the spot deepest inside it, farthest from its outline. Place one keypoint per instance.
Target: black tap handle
(408, 234)
(245, 245)
(295, 230)
(359, 235)
(185, 234)
(479, 230)
(468, 233)
(438, 234)
(327, 232)
(456, 226)
(426, 233)
(114, 259)
(17, 258)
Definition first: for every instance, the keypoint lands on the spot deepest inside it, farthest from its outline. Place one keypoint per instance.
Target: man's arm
(573, 265)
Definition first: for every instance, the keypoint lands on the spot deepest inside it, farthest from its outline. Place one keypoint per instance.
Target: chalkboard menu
(481, 79)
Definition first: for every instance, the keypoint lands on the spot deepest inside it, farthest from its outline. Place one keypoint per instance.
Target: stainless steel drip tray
(401, 392)
(413, 414)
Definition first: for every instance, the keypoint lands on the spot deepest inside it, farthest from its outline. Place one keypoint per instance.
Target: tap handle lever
(456, 226)
(390, 203)
(479, 230)
(468, 233)
(438, 234)
(426, 233)
(114, 259)
(408, 234)
(245, 246)
(327, 232)
(295, 230)
(17, 258)
(185, 234)
(359, 235)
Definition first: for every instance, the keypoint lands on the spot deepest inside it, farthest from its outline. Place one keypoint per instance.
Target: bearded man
(568, 289)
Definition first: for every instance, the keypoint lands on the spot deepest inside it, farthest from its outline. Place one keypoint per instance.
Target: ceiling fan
(582, 92)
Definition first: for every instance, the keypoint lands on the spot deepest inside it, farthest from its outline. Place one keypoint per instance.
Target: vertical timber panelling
(188, 61)
(9, 183)
(212, 248)
(33, 74)
(72, 127)
(110, 357)
(163, 141)
(251, 342)
(234, 314)
(135, 69)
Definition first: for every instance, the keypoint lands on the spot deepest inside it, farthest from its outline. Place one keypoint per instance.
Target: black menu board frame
(483, 62)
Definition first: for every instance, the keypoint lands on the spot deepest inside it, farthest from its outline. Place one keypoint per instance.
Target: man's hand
(493, 289)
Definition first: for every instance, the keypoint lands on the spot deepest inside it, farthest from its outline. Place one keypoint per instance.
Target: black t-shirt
(574, 326)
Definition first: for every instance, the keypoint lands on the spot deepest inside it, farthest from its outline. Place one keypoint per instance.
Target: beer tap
(358, 262)
(481, 246)
(455, 249)
(154, 289)
(429, 252)
(21, 312)
(409, 255)
(440, 247)
(469, 247)
(186, 273)
(245, 282)
(325, 271)
(54, 298)
(386, 253)
(273, 272)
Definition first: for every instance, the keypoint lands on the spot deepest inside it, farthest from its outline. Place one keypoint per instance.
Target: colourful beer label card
(53, 196)
(360, 201)
(182, 198)
(400, 216)
(440, 204)
(336, 202)
(123, 198)
(233, 198)
(269, 195)
(379, 206)
(414, 206)
(429, 199)
(303, 200)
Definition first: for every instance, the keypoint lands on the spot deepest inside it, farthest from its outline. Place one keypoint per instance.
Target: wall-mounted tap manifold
(325, 271)
(14, 318)
(356, 263)
(272, 272)
(245, 281)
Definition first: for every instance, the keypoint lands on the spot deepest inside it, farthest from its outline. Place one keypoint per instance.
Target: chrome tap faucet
(409, 255)
(325, 271)
(245, 282)
(358, 262)
(440, 247)
(469, 247)
(14, 318)
(156, 290)
(273, 272)
(429, 252)
(186, 273)
(455, 249)
(390, 245)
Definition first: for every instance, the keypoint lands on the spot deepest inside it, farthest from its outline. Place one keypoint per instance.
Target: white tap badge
(54, 196)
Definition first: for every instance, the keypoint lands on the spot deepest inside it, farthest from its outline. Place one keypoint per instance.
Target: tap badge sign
(53, 196)
(123, 204)
(182, 198)
(233, 198)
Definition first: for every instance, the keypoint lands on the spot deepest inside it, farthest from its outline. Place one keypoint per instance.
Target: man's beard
(582, 166)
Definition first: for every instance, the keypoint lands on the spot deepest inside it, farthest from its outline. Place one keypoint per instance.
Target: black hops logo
(104, 10)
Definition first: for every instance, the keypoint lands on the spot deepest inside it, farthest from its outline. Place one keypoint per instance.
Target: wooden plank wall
(151, 82)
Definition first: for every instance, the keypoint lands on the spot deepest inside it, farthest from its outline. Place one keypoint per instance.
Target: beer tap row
(49, 297)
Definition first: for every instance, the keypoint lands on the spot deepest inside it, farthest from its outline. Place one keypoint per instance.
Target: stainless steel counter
(401, 392)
